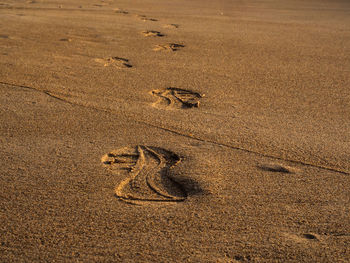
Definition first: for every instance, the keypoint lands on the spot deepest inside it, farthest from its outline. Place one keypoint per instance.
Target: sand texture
(175, 131)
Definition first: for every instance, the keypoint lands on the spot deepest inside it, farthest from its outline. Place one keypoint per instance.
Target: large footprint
(148, 178)
(175, 97)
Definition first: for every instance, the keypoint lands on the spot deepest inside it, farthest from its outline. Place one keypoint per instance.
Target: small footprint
(145, 18)
(66, 39)
(168, 47)
(175, 97)
(121, 11)
(148, 178)
(115, 61)
(171, 26)
(152, 33)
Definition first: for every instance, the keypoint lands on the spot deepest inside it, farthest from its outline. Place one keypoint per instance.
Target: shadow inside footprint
(276, 168)
(310, 236)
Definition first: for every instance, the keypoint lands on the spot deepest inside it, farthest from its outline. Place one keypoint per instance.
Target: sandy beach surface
(175, 131)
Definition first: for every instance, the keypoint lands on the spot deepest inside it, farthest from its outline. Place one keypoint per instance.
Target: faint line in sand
(182, 134)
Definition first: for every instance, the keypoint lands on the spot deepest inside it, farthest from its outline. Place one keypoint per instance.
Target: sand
(175, 131)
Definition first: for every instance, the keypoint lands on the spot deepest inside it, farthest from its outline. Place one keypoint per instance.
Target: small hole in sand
(310, 236)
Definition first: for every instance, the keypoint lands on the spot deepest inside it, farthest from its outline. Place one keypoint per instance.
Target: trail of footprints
(121, 63)
(148, 177)
(147, 168)
(155, 33)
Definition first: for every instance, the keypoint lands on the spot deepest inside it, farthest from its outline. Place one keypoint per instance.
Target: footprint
(149, 19)
(152, 33)
(148, 169)
(168, 47)
(276, 168)
(145, 18)
(115, 61)
(171, 26)
(66, 39)
(120, 11)
(175, 97)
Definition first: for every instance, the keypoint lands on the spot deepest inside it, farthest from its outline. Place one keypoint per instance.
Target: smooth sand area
(175, 131)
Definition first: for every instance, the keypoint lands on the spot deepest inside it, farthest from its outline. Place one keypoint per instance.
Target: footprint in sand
(168, 47)
(115, 62)
(152, 33)
(120, 11)
(171, 26)
(66, 39)
(175, 97)
(148, 169)
(145, 18)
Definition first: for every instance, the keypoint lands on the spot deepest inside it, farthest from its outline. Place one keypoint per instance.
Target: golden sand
(110, 152)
